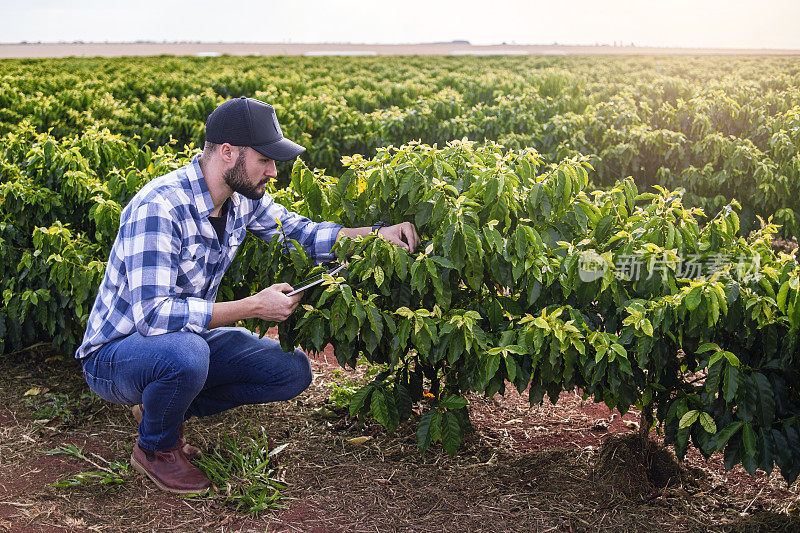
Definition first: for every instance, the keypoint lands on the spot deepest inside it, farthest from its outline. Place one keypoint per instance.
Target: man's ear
(227, 152)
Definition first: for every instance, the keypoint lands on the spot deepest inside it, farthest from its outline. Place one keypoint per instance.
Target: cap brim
(282, 150)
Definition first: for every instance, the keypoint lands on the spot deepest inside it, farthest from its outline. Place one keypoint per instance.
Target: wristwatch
(378, 225)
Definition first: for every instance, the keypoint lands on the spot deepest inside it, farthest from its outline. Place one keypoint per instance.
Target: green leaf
(714, 316)
(624, 365)
(424, 431)
(492, 364)
(317, 334)
(511, 367)
(732, 359)
(393, 419)
(443, 261)
(707, 347)
(782, 294)
(731, 383)
(692, 300)
(534, 291)
(403, 401)
(749, 440)
(339, 312)
(359, 398)
(602, 230)
(451, 433)
(688, 419)
(379, 409)
(436, 277)
(766, 399)
(724, 436)
(423, 214)
(708, 423)
(351, 327)
(495, 312)
(401, 266)
(436, 425)
(490, 193)
(453, 401)
(541, 323)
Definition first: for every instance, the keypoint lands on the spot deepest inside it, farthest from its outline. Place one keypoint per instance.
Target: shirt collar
(202, 196)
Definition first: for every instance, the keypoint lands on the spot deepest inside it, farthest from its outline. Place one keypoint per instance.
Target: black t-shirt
(220, 221)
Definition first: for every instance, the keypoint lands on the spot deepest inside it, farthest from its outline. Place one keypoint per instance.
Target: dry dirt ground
(521, 470)
(326, 49)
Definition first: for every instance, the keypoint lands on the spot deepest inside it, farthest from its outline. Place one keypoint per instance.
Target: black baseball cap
(250, 122)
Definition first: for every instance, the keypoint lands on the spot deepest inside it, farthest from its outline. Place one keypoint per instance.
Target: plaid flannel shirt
(166, 262)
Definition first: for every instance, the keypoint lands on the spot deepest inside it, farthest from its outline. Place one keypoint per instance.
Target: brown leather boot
(169, 470)
(191, 452)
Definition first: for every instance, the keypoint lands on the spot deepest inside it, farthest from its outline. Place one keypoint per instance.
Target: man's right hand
(273, 305)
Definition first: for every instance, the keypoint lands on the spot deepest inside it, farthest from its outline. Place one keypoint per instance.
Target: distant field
(265, 49)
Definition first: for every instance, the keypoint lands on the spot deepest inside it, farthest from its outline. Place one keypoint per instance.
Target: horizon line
(421, 43)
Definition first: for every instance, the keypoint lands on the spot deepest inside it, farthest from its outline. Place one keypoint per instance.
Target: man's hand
(273, 305)
(403, 235)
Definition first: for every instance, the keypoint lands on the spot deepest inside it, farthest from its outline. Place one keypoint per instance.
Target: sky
(674, 23)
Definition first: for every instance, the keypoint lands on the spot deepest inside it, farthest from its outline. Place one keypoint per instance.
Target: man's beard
(236, 179)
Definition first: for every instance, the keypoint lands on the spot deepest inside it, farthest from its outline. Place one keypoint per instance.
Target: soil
(19, 50)
(547, 468)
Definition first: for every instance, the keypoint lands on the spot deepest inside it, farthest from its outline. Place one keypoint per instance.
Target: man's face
(250, 174)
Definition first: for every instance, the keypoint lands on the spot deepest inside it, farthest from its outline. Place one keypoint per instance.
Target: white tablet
(315, 281)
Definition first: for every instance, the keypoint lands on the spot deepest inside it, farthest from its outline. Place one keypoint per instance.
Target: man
(154, 338)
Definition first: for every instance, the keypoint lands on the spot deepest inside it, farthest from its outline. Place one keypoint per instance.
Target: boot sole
(142, 470)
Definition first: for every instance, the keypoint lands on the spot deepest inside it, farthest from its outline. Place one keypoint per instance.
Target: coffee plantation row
(722, 128)
(540, 267)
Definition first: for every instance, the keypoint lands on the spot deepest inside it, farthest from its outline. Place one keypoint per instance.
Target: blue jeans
(179, 375)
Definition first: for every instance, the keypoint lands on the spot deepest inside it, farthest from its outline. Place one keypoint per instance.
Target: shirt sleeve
(151, 246)
(316, 237)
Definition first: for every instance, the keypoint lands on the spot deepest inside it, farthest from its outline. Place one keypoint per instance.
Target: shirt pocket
(192, 267)
(235, 240)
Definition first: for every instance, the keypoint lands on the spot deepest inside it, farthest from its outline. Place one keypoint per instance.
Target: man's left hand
(403, 235)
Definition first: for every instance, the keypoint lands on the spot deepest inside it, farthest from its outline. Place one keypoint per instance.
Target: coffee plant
(521, 281)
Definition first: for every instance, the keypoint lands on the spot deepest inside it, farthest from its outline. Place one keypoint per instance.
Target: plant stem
(646, 420)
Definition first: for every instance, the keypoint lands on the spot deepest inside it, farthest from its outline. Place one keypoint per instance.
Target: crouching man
(155, 339)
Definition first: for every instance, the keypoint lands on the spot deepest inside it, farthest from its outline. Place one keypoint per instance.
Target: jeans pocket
(105, 388)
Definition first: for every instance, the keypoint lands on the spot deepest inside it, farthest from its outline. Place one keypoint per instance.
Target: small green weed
(59, 405)
(113, 473)
(342, 390)
(240, 466)
(372, 370)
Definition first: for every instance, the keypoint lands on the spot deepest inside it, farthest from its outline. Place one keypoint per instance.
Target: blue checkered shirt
(166, 262)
